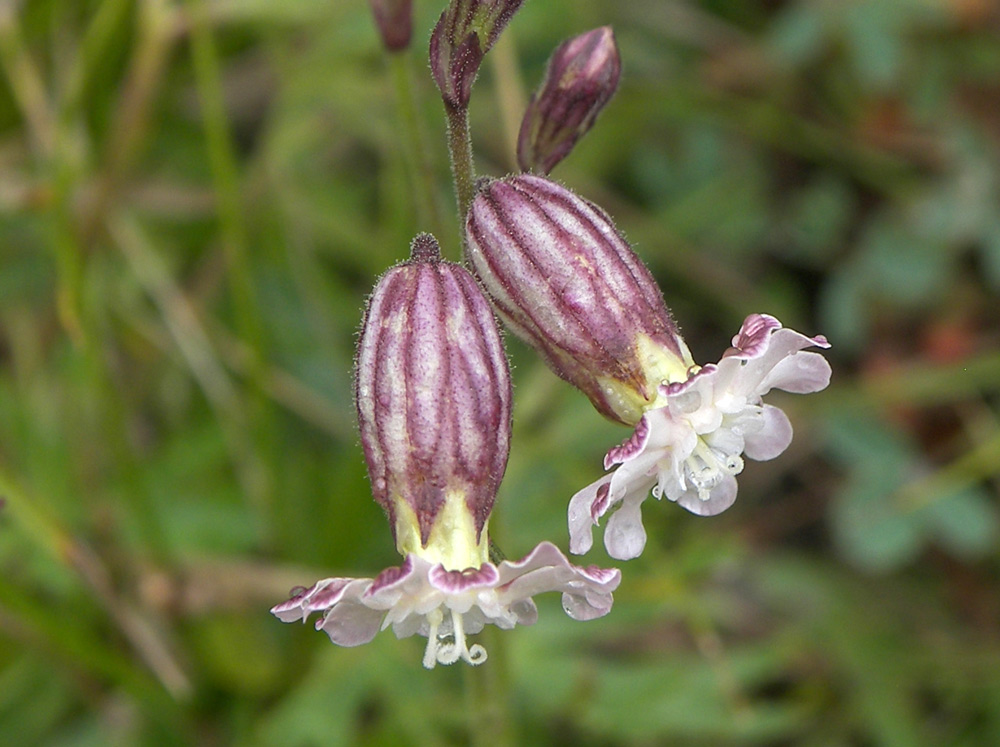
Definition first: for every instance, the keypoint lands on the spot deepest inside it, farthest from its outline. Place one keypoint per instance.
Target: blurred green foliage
(195, 199)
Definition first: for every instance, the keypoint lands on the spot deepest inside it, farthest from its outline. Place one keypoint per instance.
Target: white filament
(447, 648)
(706, 467)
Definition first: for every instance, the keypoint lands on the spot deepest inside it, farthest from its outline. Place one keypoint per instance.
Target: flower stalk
(460, 151)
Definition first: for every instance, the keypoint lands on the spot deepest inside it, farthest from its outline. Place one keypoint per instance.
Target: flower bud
(394, 19)
(466, 31)
(580, 79)
(433, 395)
(565, 281)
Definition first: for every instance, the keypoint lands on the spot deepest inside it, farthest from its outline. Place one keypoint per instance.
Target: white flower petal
(773, 438)
(350, 623)
(799, 373)
(721, 497)
(624, 536)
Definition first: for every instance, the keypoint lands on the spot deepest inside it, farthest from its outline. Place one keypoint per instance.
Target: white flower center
(706, 467)
(449, 646)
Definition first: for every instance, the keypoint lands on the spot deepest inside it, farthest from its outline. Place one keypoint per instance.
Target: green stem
(460, 149)
(415, 149)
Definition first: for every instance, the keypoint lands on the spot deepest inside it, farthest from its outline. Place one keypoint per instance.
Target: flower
(445, 606)
(564, 279)
(581, 77)
(688, 446)
(433, 399)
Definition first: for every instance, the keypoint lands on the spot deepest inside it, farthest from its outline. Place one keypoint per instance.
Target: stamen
(734, 464)
(476, 655)
(707, 466)
(434, 618)
(450, 653)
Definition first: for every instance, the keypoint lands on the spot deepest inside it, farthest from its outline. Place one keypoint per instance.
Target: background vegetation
(195, 199)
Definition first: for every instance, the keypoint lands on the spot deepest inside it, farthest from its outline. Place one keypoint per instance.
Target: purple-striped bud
(564, 280)
(433, 395)
(581, 77)
(466, 31)
(394, 19)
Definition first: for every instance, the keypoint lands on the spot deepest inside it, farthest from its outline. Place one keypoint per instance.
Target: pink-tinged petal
(753, 337)
(581, 517)
(631, 447)
(749, 379)
(675, 388)
(350, 623)
(773, 438)
(602, 502)
(799, 373)
(392, 577)
(320, 596)
(457, 582)
(721, 497)
(624, 536)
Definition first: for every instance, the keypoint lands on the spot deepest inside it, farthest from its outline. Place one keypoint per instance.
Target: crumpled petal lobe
(624, 536)
(350, 623)
(773, 438)
(801, 373)
(525, 612)
(721, 497)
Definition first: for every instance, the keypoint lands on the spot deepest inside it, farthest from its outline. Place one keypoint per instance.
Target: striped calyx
(433, 395)
(565, 281)
(580, 79)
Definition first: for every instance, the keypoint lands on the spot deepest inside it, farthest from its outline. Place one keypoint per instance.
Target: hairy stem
(460, 149)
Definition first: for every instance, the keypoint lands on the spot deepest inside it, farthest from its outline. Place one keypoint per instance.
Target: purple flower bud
(394, 19)
(463, 35)
(565, 281)
(433, 396)
(580, 79)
